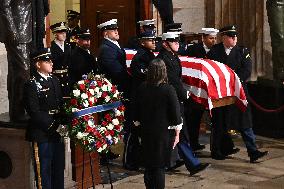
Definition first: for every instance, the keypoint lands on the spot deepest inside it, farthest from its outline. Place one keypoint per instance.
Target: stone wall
(191, 13)
(3, 79)
(58, 9)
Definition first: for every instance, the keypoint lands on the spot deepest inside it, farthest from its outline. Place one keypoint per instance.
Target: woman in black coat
(157, 111)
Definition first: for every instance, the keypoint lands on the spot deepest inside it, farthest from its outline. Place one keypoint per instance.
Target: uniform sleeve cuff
(176, 127)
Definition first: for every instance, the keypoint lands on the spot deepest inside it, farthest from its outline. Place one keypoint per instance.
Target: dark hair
(157, 72)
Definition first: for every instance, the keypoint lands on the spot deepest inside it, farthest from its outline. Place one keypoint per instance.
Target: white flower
(110, 126)
(99, 94)
(76, 92)
(115, 94)
(81, 135)
(91, 99)
(81, 82)
(91, 122)
(109, 88)
(104, 146)
(104, 87)
(115, 121)
(84, 96)
(108, 137)
(92, 91)
(74, 109)
(86, 103)
(107, 98)
(100, 149)
(117, 112)
(97, 90)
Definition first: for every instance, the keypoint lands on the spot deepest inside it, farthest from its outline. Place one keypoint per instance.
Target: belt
(52, 112)
(60, 71)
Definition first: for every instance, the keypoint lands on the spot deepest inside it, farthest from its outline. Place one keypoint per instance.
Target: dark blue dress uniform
(43, 101)
(72, 32)
(230, 116)
(174, 71)
(194, 111)
(138, 68)
(82, 61)
(112, 63)
(61, 59)
(196, 50)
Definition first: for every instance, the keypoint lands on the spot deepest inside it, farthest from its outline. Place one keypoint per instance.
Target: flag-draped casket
(210, 83)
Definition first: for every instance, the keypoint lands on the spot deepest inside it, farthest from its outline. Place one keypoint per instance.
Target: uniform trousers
(184, 149)
(154, 178)
(51, 158)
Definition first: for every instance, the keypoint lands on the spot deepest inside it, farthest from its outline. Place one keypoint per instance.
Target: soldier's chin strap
(174, 52)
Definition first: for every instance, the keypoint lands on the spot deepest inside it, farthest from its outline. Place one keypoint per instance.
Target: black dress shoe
(178, 164)
(217, 156)
(256, 155)
(232, 151)
(199, 168)
(197, 147)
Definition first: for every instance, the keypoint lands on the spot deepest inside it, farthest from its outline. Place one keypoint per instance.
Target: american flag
(208, 81)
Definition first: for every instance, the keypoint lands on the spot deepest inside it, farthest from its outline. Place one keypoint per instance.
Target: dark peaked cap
(58, 27)
(230, 31)
(84, 34)
(41, 54)
(150, 34)
(72, 14)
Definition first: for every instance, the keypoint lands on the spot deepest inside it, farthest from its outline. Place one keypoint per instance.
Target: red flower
(73, 102)
(98, 144)
(74, 122)
(108, 117)
(104, 123)
(111, 132)
(82, 87)
(99, 83)
(117, 127)
(113, 89)
(89, 94)
(86, 118)
(121, 108)
(89, 129)
(104, 94)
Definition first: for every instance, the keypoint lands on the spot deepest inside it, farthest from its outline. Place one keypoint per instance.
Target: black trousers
(221, 141)
(193, 114)
(154, 178)
(51, 162)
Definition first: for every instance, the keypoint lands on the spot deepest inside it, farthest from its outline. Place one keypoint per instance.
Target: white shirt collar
(206, 48)
(44, 76)
(228, 49)
(59, 44)
(113, 41)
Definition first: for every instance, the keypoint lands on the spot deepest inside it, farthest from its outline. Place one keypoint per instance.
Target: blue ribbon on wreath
(95, 109)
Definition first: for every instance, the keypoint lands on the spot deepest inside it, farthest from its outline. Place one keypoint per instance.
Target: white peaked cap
(170, 35)
(209, 31)
(110, 23)
(147, 22)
